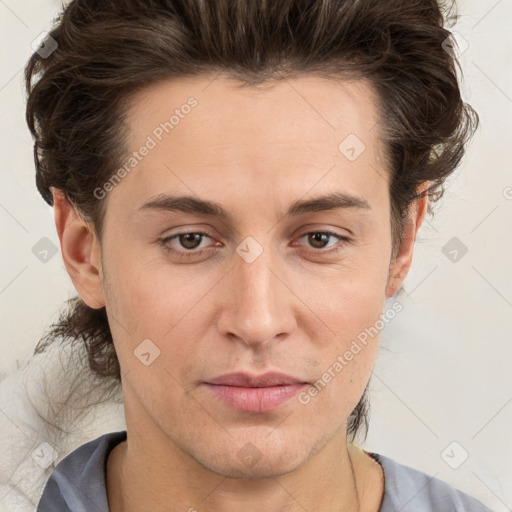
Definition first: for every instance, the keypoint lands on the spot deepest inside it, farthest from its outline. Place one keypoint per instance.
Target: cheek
(152, 300)
(150, 296)
(347, 355)
(349, 300)
(350, 306)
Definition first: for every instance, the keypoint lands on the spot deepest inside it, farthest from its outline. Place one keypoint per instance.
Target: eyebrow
(190, 204)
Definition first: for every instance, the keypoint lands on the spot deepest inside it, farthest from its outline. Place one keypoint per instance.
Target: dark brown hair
(79, 94)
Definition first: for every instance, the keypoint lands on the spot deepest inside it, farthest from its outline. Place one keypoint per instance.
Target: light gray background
(443, 373)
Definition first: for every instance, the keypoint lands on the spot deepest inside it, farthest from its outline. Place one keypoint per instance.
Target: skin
(294, 310)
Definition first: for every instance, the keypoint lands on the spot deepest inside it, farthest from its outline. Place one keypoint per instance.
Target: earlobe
(80, 250)
(402, 263)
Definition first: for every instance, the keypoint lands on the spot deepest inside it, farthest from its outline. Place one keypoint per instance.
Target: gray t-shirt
(78, 484)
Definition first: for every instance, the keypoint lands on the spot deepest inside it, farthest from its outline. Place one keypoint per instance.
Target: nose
(258, 304)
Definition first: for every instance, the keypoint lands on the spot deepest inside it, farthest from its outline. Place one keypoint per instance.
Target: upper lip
(247, 380)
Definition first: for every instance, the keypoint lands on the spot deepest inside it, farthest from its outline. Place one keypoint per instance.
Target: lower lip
(255, 399)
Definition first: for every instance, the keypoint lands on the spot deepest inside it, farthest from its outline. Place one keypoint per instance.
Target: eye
(189, 242)
(318, 239)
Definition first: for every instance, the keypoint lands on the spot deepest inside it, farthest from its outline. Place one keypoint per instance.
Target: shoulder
(408, 489)
(78, 481)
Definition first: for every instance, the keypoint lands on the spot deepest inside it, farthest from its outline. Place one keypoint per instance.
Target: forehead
(205, 130)
(303, 109)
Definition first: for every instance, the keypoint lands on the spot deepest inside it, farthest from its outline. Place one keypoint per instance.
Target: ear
(81, 251)
(402, 263)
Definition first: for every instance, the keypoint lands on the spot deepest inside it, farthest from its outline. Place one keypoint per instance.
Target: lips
(246, 380)
(254, 393)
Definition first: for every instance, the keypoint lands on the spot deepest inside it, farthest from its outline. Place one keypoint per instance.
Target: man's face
(264, 294)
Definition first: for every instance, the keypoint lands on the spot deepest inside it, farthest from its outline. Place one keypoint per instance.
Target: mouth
(253, 393)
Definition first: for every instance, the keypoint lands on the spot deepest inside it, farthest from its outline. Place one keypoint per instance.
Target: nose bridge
(258, 307)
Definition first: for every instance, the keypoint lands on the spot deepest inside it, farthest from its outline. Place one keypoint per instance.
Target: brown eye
(185, 244)
(318, 240)
(190, 240)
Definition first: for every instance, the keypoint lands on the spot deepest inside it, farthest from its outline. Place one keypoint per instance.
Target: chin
(250, 462)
